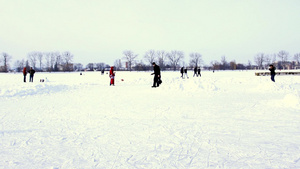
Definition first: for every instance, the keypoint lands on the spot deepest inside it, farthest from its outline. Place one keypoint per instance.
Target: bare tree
(50, 60)
(161, 57)
(150, 56)
(297, 57)
(100, 66)
(224, 63)
(268, 60)
(129, 57)
(68, 58)
(90, 66)
(6, 60)
(40, 59)
(283, 55)
(32, 57)
(19, 64)
(249, 64)
(58, 61)
(175, 57)
(118, 64)
(259, 59)
(195, 59)
(215, 65)
(78, 66)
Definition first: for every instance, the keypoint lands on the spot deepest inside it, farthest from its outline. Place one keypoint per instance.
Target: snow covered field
(227, 119)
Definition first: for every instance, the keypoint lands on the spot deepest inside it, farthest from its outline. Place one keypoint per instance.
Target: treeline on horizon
(173, 60)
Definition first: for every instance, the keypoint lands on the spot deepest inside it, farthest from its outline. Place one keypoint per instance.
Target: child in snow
(112, 76)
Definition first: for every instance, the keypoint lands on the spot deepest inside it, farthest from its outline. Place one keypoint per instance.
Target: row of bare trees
(172, 60)
(165, 59)
(47, 61)
(262, 60)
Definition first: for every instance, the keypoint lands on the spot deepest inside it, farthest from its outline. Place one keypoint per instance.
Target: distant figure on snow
(24, 73)
(157, 77)
(185, 73)
(199, 72)
(195, 72)
(112, 76)
(272, 69)
(102, 72)
(181, 71)
(31, 72)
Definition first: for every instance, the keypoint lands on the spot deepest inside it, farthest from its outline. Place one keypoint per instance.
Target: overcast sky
(100, 30)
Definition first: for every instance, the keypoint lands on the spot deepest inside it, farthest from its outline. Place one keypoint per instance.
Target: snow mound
(33, 90)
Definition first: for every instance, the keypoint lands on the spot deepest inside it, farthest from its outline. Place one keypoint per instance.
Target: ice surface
(226, 119)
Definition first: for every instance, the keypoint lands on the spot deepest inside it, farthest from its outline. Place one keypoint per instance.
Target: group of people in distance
(157, 76)
(183, 71)
(156, 81)
(31, 73)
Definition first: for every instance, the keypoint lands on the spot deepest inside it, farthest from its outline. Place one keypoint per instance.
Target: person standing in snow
(199, 72)
(31, 72)
(185, 73)
(156, 80)
(112, 76)
(24, 73)
(195, 72)
(181, 71)
(272, 69)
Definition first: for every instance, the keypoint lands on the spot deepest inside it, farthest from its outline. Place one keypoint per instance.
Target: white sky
(100, 30)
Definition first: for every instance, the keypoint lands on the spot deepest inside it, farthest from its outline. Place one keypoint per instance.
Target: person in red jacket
(24, 73)
(112, 76)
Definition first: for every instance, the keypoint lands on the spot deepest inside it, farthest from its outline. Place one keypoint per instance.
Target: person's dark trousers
(24, 78)
(31, 79)
(155, 80)
(273, 78)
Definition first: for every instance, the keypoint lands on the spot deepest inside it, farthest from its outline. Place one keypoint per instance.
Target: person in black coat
(272, 69)
(181, 71)
(199, 72)
(195, 72)
(185, 73)
(156, 80)
(31, 72)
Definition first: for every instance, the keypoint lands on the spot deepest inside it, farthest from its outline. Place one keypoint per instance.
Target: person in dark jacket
(31, 72)
(24, 73)
(199, 72)
(195, 72)
(156, 80)
(185, 73)
(181, 71)
(272, 69)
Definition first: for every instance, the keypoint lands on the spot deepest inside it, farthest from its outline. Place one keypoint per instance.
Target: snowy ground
(221, 120)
